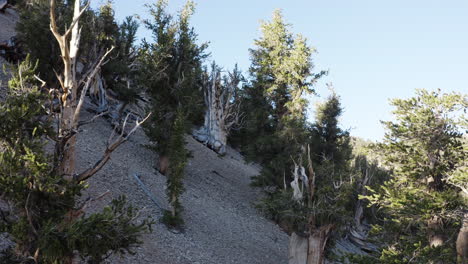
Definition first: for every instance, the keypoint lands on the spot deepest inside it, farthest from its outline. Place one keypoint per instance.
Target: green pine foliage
(329, 141)
(120, 71)
(275, 123)
(178, 156)
(171, 72)
(46, 221)
(334, 194)
(100, 32)
(424, 149)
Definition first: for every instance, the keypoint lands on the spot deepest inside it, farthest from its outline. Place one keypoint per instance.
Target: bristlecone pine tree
(320, 197)
(424, 199)
(43, 217)
(274, 103)
(171, 72)
(222, 112)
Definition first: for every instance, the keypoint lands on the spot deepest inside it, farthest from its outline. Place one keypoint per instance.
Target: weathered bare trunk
(317, 242)
(462, 242)
(68, 98)
(298, 249)
(98, 93)
(359, 211)
(221, 112)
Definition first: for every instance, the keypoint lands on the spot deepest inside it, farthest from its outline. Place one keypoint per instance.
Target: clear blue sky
(374, 50)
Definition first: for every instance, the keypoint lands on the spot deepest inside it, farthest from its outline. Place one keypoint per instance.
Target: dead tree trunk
(98, 93)
(317, 241)
(317, 235)
(65, 148)
(222, 111)
(357, 231)
(436, 234)
(359, 211)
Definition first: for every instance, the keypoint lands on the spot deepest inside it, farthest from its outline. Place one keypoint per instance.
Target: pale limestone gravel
(7, 24)
(222, 225)
(7, 30)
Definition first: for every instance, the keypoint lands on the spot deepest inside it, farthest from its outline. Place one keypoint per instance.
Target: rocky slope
(7, 30)
(222, 225)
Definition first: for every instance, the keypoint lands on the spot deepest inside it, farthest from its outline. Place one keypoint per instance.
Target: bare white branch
(107, 153)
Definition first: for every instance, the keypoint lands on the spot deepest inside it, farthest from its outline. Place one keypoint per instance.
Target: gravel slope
(7, 30)
(222, 226)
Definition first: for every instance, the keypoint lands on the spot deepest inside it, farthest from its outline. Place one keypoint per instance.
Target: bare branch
(53, 23)
(90, 77)
(82, 123)
(76, 17)
(107, 153)
(43, 83)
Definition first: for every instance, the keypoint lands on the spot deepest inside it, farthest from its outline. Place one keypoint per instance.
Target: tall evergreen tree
(121, 70)
(321, 198)
(274, 103)
(46, 221)
(171, 72)
(424, 149)
(178, 156)
(328, 140)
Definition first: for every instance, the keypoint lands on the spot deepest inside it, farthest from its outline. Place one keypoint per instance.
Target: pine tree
(321, 198)
(120, 72)
(329, 141)
(178, 156)
(171, 72)
(424, 149)
(274, 103)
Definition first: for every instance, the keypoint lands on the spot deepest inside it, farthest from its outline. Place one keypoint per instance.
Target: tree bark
(462, 242)
(317, 242)
(298, 249)
(68, 98)
(163, 164)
